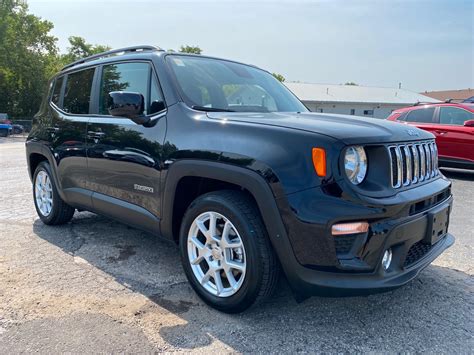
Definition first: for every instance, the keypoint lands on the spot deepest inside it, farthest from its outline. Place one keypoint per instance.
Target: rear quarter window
(56, 96)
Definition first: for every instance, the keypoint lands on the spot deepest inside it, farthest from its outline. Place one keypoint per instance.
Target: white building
(355, 100)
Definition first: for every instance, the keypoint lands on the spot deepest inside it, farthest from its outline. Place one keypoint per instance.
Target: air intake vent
(413, 162)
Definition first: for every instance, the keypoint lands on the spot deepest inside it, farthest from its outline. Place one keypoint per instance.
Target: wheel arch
(37, 153)
(232, 177)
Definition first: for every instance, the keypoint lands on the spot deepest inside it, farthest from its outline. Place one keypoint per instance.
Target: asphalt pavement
(95, 285)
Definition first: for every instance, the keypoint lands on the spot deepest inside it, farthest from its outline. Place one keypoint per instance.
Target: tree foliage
(190, 49)
(279, 77)
(28, 56)
(79, 48)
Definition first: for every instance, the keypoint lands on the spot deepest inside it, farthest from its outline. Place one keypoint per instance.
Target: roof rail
(458, 100)
(418, 103)
(111, 53)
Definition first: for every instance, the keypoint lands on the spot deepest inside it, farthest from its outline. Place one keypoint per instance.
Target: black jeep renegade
(224, 160)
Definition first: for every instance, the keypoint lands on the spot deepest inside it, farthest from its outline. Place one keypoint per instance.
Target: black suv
(223, 159)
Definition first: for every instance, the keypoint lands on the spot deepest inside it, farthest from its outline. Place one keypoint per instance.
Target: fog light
(387, 259)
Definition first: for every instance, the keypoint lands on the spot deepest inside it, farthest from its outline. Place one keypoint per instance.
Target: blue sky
(425, 45)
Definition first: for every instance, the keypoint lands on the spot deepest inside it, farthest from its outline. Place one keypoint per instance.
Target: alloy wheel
(44, 193)
(216, 254)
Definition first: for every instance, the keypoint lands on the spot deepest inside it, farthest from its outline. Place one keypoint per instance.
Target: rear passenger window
(131, 77)
(423, 115)
(78, 92)
(57, 91)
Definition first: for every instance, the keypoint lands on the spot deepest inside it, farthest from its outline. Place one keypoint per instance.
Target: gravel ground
(95, 285)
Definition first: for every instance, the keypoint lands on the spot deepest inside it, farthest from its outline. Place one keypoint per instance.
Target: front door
(124, 158)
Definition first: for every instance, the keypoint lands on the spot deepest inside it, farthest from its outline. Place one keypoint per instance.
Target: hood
(348, 129)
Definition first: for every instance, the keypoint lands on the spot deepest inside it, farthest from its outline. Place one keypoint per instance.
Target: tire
(59, 211)
(3, 132)
(258, 269)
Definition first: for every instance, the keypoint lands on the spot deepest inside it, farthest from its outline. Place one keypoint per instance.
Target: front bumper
(360, 271)
(312, 282)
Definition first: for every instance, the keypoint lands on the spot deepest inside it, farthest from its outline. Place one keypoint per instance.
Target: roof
(353, 93)
(461, 94)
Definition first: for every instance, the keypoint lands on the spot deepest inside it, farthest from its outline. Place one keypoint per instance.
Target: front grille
(413, 162)
(416, 252)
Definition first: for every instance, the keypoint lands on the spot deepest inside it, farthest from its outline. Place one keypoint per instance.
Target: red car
(451, 123)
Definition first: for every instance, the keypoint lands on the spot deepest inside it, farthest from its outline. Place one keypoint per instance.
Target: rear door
(69, 110)
(124, 158)
(455, 141)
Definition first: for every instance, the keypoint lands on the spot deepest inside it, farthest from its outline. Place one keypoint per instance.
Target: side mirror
(127, 104)
(469, 123)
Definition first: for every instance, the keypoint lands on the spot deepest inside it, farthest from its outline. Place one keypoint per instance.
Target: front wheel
(226, 253)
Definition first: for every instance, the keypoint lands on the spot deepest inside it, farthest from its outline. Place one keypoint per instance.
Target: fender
(40, 148)
(243, 177)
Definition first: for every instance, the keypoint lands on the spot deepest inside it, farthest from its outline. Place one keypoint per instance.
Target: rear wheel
(226, 253)
(50, 207)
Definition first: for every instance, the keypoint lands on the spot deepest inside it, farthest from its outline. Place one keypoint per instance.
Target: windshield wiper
(211, 109)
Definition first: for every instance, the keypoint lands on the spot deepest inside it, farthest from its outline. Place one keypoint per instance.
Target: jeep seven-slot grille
(413, 162)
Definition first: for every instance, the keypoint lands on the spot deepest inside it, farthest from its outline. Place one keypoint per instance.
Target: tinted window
(131, 77)
(424, 115)
(222, 85)
(78, 92)
(454, 116)
(57, 91)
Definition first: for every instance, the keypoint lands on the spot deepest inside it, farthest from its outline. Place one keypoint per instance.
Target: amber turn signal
(319, 161)
(349, 228)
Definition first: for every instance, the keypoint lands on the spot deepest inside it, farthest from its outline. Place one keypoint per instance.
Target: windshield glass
(217, 85)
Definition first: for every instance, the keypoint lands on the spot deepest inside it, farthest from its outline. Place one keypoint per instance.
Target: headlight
(355, 164)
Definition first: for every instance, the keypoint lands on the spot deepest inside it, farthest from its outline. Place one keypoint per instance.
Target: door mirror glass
(127, 104)
(469, 123)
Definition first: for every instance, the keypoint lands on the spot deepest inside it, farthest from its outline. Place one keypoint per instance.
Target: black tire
(262, 271)
(3, 132)
(61, 212)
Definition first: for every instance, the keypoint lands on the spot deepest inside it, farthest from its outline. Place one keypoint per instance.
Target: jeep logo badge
(412, 132)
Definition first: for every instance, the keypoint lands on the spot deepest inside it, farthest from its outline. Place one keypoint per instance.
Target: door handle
(440, 132)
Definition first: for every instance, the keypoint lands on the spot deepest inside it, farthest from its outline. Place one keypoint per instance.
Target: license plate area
(438, 221)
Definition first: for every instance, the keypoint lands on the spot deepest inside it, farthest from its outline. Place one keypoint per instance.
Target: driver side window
(132, 77)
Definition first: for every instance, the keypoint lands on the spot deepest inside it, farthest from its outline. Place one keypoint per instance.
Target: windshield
(217, 85)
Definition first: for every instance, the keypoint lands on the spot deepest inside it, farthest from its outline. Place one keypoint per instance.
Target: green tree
(79, 48)
(351, 83)
(279, 77)
(28, 57)
(190, 49)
